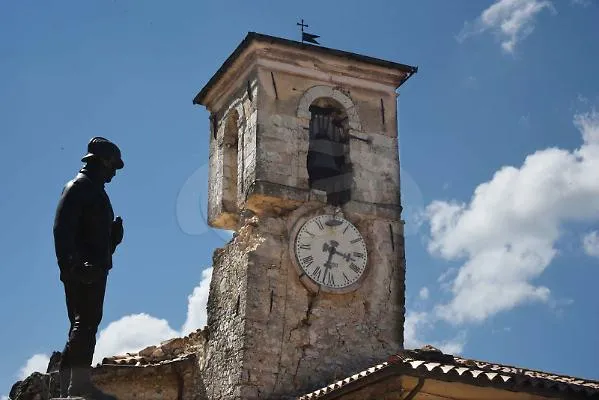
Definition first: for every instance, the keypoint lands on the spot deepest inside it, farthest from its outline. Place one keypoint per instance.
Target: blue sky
(499, 150)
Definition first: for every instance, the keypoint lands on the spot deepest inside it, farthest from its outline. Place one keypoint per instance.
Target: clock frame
(329, 252)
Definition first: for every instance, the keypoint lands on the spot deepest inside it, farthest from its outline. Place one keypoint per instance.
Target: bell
(321, 166)
(321, 159)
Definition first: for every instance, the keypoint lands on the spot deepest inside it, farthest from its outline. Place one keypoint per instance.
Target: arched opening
(328, 162)
(230, 149)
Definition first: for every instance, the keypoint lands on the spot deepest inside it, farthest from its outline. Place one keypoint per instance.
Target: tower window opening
(328, 163)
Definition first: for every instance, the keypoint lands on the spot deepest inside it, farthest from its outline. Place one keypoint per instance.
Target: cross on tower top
(307, 37)
(302, 25)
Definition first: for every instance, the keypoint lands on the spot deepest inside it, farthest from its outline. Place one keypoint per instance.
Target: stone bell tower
(304, 167)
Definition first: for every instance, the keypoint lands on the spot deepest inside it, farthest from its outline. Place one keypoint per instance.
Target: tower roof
(253, 37)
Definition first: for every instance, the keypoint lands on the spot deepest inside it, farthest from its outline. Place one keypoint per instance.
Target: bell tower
(304, 167)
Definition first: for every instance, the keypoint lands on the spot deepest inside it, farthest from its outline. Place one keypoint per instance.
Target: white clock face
(331, 251)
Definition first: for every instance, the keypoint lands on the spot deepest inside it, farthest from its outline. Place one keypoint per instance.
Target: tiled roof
(168, 352)
(139, 361)
(429, 362)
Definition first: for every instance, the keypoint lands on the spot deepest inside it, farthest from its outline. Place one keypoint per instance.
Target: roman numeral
(358, 254)
(307, 261)
(305, 246)
(316, 273)
(346, 228)
(356, 240)
(346, 278)
(330, 279)
(354, 268)
(319, 223)
(311, 234)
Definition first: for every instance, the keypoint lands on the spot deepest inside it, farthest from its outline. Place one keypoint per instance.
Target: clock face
(331, 251)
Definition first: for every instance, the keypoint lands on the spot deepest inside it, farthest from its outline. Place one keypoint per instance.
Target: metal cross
(302, 25)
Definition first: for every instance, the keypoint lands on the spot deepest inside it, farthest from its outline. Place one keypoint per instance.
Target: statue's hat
(105, 149)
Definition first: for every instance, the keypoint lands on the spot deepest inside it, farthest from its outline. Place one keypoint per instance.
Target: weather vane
(307, 37)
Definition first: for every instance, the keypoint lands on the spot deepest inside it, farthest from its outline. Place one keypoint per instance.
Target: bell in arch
(326, 152)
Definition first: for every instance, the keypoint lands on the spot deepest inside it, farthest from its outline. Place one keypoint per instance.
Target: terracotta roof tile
(141, 363)
(432, 363)
(169, 351)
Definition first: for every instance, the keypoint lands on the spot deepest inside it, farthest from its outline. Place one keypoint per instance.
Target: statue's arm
(66, 226)
(116, 233)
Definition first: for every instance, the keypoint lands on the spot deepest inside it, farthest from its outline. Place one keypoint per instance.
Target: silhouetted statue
(85, 237)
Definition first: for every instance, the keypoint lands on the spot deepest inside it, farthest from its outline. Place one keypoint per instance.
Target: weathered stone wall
(149, 383)
(222, 372)
(269, 336)
(171, 369)
(171, 380)
(168, 370)
(232, 160)
(282, 135)
(301, 341)
(275, 339)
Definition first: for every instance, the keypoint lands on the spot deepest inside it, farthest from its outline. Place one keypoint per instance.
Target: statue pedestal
(68, 398)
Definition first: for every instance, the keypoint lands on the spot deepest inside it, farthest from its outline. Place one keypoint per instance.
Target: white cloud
(415, 327)
(501, 330)
(131, 333)
(590, 242)
(582, 99)
(423, 293)
(583, 3)
(510, 20)
(196, 304)
(3, 397)
(507, 233)
(36, 363)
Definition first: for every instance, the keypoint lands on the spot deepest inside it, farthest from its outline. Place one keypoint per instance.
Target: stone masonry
(166, 371)
(270, 337)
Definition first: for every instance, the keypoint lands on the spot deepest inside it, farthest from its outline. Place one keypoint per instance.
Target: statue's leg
(65, 365)
(90, 303)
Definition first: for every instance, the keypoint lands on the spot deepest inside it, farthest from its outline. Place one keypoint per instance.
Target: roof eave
(251, 36)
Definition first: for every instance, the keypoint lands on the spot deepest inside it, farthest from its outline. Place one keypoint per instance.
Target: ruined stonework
(276, 339)
(232, 156)
(270, 336)
(226, 317)
(169, 370)
(166, 371)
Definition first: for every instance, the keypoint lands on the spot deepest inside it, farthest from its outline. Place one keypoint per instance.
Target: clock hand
(331, 251)
(347, 256)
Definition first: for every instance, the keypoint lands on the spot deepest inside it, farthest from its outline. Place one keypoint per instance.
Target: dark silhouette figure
(85, 237)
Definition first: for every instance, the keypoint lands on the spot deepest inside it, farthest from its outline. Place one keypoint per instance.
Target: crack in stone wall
(289, 339)
(270, 337)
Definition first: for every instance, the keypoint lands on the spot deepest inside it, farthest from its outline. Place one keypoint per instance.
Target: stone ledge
(264, 197)
(67, 398)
